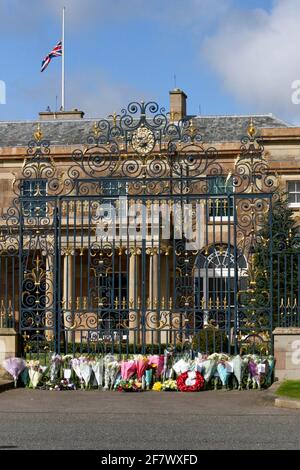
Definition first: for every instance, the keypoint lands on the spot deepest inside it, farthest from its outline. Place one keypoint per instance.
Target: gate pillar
(287, 353)
(152, 316)
(9, 346)
(134, 316)
(67, 289)
(49, 315)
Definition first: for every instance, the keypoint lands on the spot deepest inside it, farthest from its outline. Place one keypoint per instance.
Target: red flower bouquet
(190, 381)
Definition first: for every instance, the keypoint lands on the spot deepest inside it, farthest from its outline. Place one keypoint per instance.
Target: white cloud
(101, 96)
(256, 54)
(88, 13)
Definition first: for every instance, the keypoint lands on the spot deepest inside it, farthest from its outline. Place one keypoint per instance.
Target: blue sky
(229, 56)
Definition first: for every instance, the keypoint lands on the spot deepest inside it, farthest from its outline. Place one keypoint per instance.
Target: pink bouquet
(158, 362)
(128, 369)
(141, 366)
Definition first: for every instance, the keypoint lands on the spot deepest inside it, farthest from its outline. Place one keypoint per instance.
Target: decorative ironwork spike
(251, 131)
(96, 130)
(38, 133)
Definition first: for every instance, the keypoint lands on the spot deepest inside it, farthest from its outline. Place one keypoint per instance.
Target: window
(294, 192)
(215, 277)
(221, 206)
(114, 188)
(32, 192)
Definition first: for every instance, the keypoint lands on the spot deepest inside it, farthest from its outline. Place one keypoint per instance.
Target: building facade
(138, 232)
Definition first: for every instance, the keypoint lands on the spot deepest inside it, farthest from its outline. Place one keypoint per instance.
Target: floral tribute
(161, 373)
(190, 381)
(129, 386)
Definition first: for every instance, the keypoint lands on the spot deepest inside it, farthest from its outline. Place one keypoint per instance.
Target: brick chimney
(177, 104)
(61, 115)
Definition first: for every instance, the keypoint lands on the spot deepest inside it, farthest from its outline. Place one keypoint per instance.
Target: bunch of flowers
(98, 371)
(153, 372)
(55, 364)
(14, 366)
(83, 370)
(62, 385)
(36, 372)
(130, 385)
(157, 387)
(111, 371)
(169, 385)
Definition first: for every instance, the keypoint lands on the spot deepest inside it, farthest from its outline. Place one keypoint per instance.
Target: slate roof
(213, 129)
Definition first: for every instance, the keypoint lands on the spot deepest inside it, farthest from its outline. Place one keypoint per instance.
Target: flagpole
(63, 61)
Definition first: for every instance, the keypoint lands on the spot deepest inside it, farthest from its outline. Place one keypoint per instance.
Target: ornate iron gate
(144, 241)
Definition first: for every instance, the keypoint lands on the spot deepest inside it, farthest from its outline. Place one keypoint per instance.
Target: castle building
(137, 231)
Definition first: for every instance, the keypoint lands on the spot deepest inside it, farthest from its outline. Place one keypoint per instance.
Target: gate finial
(38, 133)
(251, 129)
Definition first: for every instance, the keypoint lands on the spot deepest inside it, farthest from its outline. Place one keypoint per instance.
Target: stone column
(152, 320)
(68, 300)
(287, 353)
(134, 317)
(164, 314)
(49, 306)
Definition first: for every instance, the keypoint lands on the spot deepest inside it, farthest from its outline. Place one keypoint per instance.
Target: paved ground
(150, 420)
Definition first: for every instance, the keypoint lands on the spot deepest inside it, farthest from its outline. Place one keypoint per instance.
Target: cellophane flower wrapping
(141, 366)
(128, 369)
(55, 365)
(14, 366)
(114, 368)
(168, 364)
(271, 362)
(156, 362)
(209, 368)
(25, 377)
(98, 369)
(109, 358)
(85, 370)
(223, 373)
(238, 369)
(75, 363)
(35, 371)
(148, 378)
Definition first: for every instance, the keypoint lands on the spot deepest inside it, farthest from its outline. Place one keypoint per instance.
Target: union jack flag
(56, 52)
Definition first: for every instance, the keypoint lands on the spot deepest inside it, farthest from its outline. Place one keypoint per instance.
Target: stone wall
(9, 347)
(287, 353)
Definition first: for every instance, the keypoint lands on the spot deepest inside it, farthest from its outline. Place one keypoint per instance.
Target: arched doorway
(220, 273)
